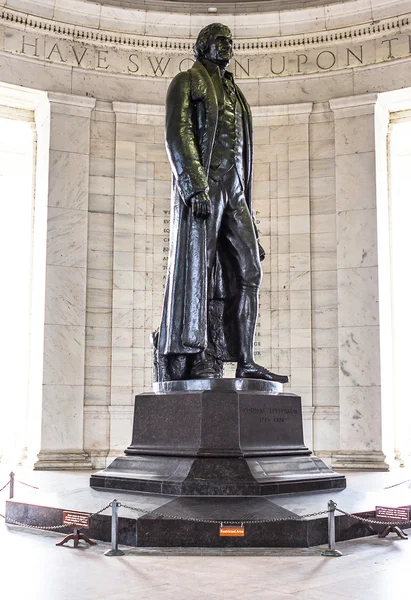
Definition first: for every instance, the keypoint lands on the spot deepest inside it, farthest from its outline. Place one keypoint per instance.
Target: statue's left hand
(261, 251)
(201, 205)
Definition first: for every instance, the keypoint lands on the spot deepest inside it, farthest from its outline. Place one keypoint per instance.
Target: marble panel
(99, 298)
(97, 395)
(355, 186)
(321, 131)
(98, 357)
(98, 336)
(123, 261)
(103, 167)
(101, 185)
(67, 237)
(357, 238)
(326, 396)
(299, 224)
(96, 429)
(98, 317)
(300, 358)
(99, 259)
(300, 338)
(323, 261)
(361, 425)
(62, 417)
(298, 205)
(322, 149)
(323, 242)
(358, 297)
(122, 318)
(101, 203)
(301, 377)
(324, 280)
(323, 205)
(300, 319)
(300, 280)
(323, 223)
(326, 433)
(97, 376)
(325, 338)
(70, 133)
(122, 357)
(325, 357)
(68, 180)
(77, 11)
(354, 135)
(121, 376)
(324, 318)
(299, 248)
(325, 376)
(322, 186)
(359, 356)
(65, 296)
(63, 355)
(99, 279)
(324, 167)
(122, 337)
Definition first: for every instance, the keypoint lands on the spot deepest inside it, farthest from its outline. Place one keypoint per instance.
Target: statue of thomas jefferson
(214, 273)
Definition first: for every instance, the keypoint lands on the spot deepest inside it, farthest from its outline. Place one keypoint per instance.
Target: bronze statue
(214, 273)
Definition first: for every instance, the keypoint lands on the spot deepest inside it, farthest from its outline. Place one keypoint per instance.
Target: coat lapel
(204, 90)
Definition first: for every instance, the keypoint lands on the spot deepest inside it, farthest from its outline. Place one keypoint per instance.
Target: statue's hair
(206, 36)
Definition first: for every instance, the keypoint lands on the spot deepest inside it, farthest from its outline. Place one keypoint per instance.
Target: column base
(360, 461)
(62, 461)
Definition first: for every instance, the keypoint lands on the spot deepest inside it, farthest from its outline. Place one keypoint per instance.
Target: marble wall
(320, 198)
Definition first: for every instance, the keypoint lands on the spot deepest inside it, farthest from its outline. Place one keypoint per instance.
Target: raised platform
(223, 437)
(183, 525)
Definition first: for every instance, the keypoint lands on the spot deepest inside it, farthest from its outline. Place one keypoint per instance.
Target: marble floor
(33, 568)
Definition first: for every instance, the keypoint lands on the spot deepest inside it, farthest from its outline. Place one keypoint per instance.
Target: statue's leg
(241, 244)
(204, 364)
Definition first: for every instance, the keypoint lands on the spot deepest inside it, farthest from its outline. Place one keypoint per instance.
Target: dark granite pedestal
(227, 437)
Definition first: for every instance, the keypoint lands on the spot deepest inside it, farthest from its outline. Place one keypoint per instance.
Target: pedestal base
(62, 461)
(228, 440)
(361, 461)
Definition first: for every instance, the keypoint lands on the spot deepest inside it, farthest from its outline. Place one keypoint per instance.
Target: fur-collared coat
(192, 107)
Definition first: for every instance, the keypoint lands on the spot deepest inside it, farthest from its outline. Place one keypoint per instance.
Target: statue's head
(215, 43)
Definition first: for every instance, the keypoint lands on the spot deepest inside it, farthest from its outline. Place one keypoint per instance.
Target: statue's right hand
(201, 205)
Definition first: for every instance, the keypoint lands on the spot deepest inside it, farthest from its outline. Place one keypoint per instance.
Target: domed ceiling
(223, 7)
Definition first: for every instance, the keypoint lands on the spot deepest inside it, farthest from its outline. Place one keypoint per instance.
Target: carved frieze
(143, 56)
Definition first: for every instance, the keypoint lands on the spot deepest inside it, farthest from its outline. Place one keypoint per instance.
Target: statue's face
(220, 50)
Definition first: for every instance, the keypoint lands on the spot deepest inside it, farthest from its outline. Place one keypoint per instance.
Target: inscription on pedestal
(266, 421)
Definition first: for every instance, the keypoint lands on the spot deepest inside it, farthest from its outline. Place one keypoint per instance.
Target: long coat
(192, 106)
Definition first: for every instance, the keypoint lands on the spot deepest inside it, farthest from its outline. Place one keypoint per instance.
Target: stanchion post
(114, 531)
(11, 485)
(331, 551)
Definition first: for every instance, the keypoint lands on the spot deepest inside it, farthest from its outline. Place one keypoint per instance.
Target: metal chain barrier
(52, 527)
(115, 505)
(218, 521)
(372, 521)
(26, 484)
(397, 484)
(4, 486)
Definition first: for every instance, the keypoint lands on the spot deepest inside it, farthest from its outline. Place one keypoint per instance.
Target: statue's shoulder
(194, 79)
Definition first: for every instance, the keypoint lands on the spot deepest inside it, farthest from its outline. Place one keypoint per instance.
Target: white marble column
(360, 133)
(65, 294)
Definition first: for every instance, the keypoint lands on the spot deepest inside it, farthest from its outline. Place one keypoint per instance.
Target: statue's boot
(247, 311)
(205, 366)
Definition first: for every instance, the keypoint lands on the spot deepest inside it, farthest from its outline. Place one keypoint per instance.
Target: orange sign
(230, 531)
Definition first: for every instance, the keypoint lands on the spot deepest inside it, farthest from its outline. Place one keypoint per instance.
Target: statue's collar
(213, 68)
